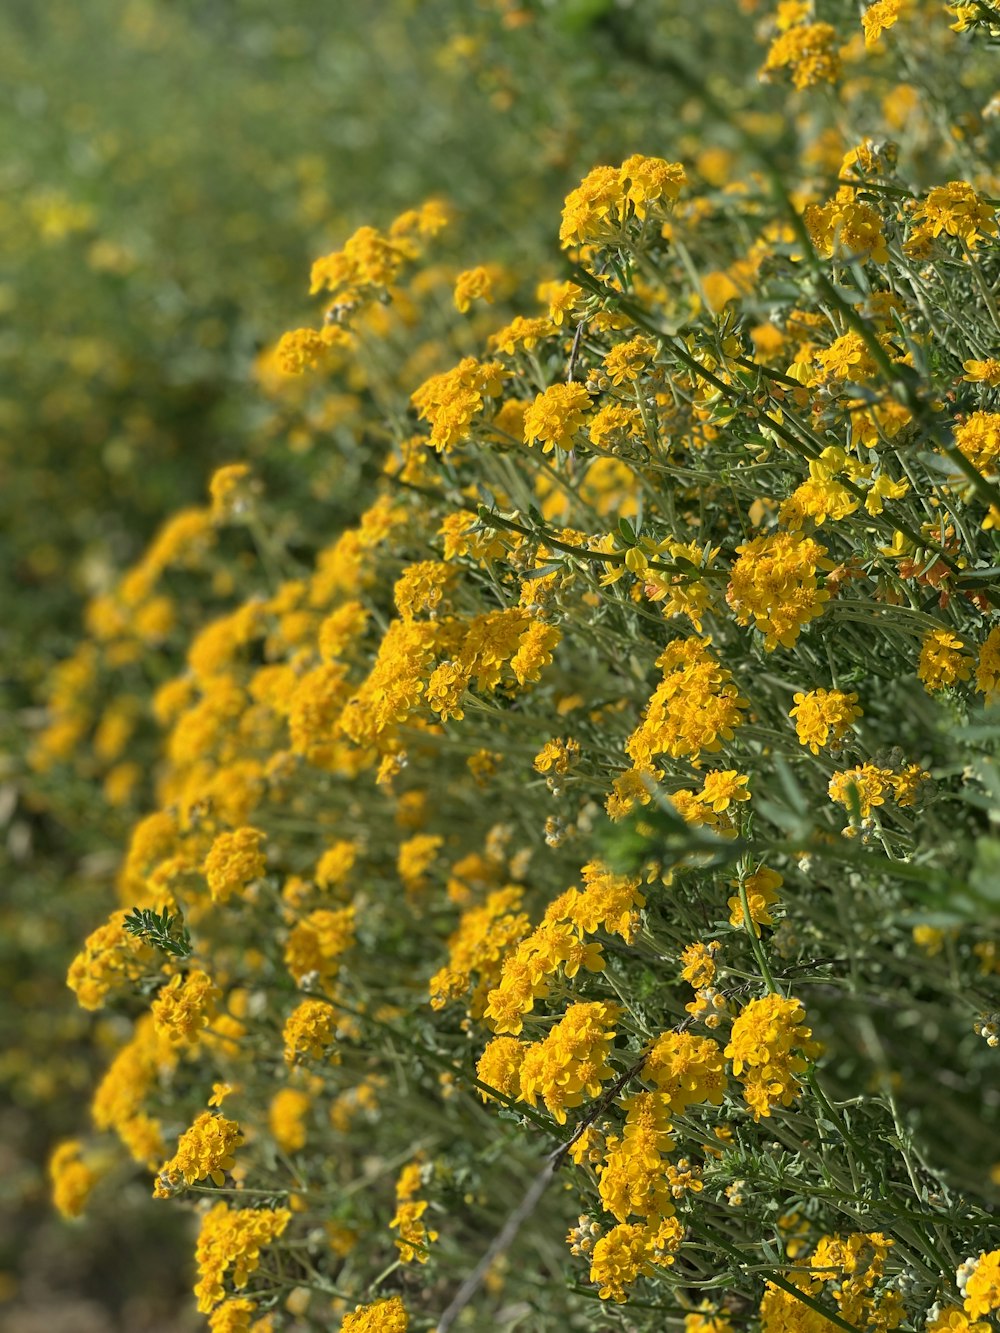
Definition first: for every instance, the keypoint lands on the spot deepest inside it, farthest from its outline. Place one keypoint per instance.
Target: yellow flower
(72, 1178)
(761, 890)
(770, 1046)
(474, 284)
(879, 17)
(203, 1151)
(229, 1243)
(957, 210)
(234, 861)
(556, 415)
(982, 1290)
(988, 666)
(571, 1062)
(774, 585)
(452, 400)
(309, 1031)
(184, 1006)
(809, 52)
(823, 717)
(388, 1316)
(982, 372)
(230, 491)
(943, 660)
(720, 790)
(286, 1118)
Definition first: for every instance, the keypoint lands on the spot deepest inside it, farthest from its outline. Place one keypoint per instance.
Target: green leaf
(658, 832)
(984, 877)
(579, 16)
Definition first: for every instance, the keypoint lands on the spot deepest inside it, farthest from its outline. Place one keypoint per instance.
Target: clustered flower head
(557, 756)
(958, 210)
(988, 666)
(231, 491)
(368, 259)
(205, 1151)
(317, 942)
(863, 789)
(699, 963)
(943, 660)
(234, 861)
(850, 1270)
(72, 1178)
(111, 958)
(774, 586)
(686, 1069)
(452, 400)
(414, 1237)
(629, 1251)
(823, 717)
(978, 437)
(185, 1006)
(229, 1246)
(981, 1287)
(310, 1031)
(769, 1046)
(300, 350)
(571, 1061)
(761, 889)
(286, 1118)
(558, 944)
(693, 710)
(388, 1316)
(474, 284)
(234, 1315)
(607, 197)
(808, 51)
(880, 17)
(555, 416)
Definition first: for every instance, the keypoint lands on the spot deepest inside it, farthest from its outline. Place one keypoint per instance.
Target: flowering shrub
(698, 553)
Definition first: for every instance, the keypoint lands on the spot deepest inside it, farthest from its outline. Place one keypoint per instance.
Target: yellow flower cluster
(761, 889)
(388, 1316)
(71, 1177)
(555, 416)
(693, 710)
(808, 51)
(869, 786)
(849, 1270)
(606, 198)
(204, 1151)
(110, 960)
(452, 400)
(414, 1237)
(185, 1006)
(607, 902)
(823, 717)
(774, 586)
(309, 1031)
(982, 1286)
(286, 1118)
(234, 861)
(943, 660)
(770, 1046)
(571, 1061)
(229, 1244)
(956, 209)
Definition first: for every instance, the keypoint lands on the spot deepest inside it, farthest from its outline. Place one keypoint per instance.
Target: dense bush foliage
(556, 761)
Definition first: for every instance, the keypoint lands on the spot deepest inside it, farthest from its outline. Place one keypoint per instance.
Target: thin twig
(507, 1234)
